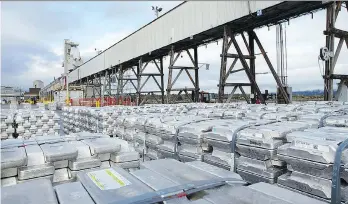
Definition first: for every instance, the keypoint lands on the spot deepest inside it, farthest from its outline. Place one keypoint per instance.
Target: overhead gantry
(180, 32)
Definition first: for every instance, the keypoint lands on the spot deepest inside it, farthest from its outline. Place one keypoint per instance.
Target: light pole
(156, 10)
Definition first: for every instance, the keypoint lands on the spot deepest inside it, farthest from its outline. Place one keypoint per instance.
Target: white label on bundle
(302, 144)
(107, 179)
(323, 148)
(258, 135)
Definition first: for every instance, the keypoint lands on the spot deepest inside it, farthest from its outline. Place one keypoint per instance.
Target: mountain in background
(309, 92)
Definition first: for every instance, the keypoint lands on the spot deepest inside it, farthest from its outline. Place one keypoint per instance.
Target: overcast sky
(33, 33)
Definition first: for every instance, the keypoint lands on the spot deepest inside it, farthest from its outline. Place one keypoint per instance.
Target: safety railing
(100, 102)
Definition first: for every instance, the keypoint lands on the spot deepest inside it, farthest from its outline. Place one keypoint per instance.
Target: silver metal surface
(59, 151)
(177, 171)
(124, 156)
(103, 157)
(261, 168)
(102, 145)
(72, 193)
(33, 192)
(99, 196)
(126, 165)
(8, 181)
(60, 175)
(61, 164)
(283, 194)
(29, 172)
(310, 184)
(35, 155)
(13, 157)
(84, 163)
(252, 178)
(10, 172)
(83, 149)
(257, 153)
(222, 173)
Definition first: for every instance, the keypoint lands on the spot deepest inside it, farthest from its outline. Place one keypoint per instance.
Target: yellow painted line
(101, 186)
(114, 177)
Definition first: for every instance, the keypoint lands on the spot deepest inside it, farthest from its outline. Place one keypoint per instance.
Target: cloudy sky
(33, 33)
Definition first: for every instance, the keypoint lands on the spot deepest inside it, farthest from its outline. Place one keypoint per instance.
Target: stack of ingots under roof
(59, 159)
(191, 136)
(220, 138)
(168, 131)
(191, 142)
(310, 156)
(257, 146)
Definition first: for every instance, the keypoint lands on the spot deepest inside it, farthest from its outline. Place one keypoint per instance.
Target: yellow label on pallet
(107, 179)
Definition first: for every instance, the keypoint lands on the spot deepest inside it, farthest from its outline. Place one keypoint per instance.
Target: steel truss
(143, 96)
(331, 33)
(228, 40)
(195, 80)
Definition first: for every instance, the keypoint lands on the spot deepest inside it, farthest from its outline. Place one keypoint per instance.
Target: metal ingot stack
(38, 191)
(126, 157)
(130, 187)
(310, 156)
(336, 121)
(12, 157)
(36, 166)
(257, 147)
(84, 159)
(220, 139)
(59, 154)
(190, 137)
(102, 148)
(147, 145)
(167, 131)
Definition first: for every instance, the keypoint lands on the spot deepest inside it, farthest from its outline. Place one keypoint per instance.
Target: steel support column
(120, 81)
(154, 75)
(224, 74)
(331, 33)
(330, 43)
(195, 81)
(251, 49)
(249, 70)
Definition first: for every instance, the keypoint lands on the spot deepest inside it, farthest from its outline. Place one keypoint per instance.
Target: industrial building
(251, 152)
(180, 31)
(9, 93)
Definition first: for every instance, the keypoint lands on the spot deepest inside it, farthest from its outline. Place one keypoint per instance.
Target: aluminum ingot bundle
(220, 140)
(190, 137)
(310, 156)
(258, 146)
(126, 158)
(11, 159)
(104, 188)
(38, 191)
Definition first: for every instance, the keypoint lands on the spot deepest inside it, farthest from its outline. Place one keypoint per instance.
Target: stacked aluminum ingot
(127, 157)
(45, 155)
(220, 138)
(88, 157)
(168, 131)
(7, 123)
(257, 147)
(59, 159)
(13, 156)
(190, 136)
(310, 156)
